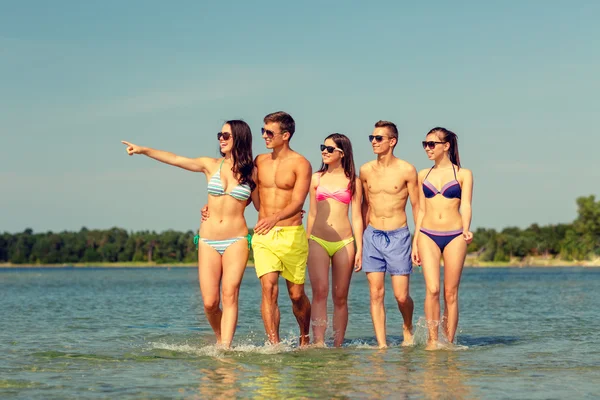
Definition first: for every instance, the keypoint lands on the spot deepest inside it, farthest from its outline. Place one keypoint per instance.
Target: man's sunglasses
(224, 135)
(269, 133)
(431, 144)
(330, 149)
(378, 138)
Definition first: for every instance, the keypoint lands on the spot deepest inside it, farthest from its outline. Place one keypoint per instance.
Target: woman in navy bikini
(332, 190)
(443, 230)
(222, 242)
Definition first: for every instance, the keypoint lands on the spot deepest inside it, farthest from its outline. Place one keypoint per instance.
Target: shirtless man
(388, 182)
(279, 242)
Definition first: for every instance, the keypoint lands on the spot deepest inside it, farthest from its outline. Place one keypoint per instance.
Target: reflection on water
(397, 373)
(444, 375)
(385, 374)
(136, 334)
(220, 382)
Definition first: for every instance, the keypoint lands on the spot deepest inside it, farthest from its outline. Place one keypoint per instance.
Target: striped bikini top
(215, 187)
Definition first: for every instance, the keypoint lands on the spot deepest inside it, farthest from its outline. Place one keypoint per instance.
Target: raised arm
(312, 208)
(357, 223)
(190, 164)
(465, 203)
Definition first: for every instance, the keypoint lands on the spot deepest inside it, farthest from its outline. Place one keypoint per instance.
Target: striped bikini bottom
(221, 245)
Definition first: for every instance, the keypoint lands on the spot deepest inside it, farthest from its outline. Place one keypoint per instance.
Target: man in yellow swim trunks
(279, 241)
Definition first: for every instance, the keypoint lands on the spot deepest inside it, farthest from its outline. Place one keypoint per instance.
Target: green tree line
(89, 246)
(578, 240)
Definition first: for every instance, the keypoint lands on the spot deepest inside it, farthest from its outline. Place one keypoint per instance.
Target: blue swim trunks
(387, 251)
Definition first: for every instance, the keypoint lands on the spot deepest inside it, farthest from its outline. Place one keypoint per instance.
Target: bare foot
(450, 346)
(383, 346)
(223, 346)
(432, 345)
(304, 340)
(409, 337)
(273, 339)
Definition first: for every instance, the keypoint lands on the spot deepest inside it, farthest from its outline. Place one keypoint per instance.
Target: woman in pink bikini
(331, 242)
(223, 240)
(443, 230)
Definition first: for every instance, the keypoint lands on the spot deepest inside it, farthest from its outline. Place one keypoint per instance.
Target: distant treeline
(576, 241)
(89, 246)
(579, 240)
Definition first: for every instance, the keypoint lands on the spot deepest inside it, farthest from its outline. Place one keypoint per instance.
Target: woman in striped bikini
(333, 188)
(223, 242)
(443, 230)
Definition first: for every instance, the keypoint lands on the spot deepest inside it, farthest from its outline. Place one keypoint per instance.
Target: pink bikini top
(341, 195)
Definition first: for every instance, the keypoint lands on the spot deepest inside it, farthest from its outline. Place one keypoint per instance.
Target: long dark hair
(451, 138)
(343, 143)
(241, 153)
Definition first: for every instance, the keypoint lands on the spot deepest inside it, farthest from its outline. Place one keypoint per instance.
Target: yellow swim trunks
(284, 249)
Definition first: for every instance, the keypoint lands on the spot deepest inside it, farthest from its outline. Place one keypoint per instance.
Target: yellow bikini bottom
(332, 247)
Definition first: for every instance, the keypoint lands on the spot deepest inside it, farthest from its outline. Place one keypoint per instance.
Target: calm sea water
(141, 333)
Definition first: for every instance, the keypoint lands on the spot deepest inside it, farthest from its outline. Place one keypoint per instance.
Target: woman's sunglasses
(378, 138)
(224, 135)
(431, 144)
(330, 149)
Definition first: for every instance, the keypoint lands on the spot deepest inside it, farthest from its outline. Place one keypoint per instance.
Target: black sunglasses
(224, 135)
(269, 133)
(330, 149)
(431, 144)
(379, 138)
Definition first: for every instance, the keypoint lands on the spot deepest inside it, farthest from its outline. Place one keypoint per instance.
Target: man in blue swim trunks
(388, 182)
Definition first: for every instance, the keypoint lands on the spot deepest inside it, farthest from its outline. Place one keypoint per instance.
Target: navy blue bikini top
(450, 190)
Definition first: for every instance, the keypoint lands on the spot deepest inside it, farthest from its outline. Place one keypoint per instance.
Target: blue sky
(516, 80)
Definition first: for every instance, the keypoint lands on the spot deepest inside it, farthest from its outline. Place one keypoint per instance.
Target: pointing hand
(133, 148)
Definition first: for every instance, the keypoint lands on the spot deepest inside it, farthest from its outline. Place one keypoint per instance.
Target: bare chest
(276, 174)
(390, 182)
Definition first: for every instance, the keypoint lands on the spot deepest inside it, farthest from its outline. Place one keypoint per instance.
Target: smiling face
(435, 147)
(225, 138)
(273, 136)
(333, 157)
(381, 140)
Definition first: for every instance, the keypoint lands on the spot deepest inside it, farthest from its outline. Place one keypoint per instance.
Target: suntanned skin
(442, 214)
(283, 183)
(217, 284)
(328, 220)
(388, 183)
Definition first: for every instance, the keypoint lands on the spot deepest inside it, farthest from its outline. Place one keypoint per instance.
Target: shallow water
(141, 333)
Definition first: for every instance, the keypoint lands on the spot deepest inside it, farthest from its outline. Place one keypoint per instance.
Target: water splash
(421, 335)
(248, 344)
